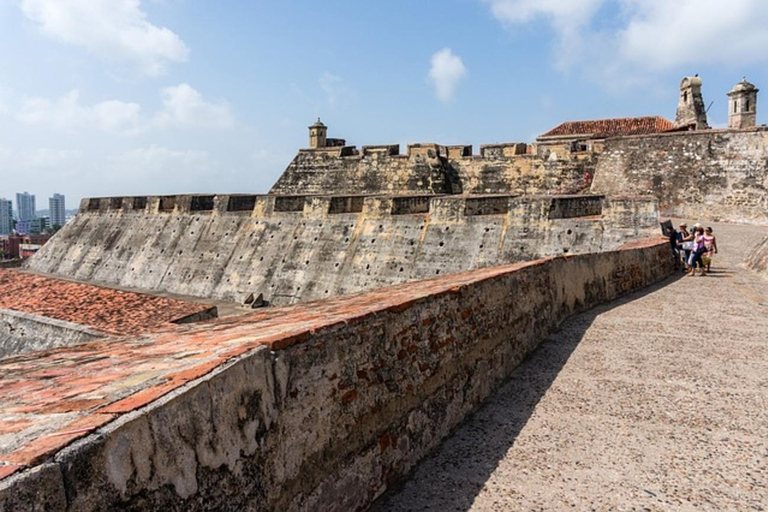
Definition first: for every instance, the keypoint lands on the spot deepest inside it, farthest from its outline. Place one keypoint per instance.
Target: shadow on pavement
(453, 475)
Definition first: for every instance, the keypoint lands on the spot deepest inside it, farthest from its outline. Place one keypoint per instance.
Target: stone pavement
(658, 401)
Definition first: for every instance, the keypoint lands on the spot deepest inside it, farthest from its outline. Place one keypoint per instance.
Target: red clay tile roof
(603, 128)
(104, 309)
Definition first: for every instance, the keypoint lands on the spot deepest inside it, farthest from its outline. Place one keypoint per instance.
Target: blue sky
(119, 97)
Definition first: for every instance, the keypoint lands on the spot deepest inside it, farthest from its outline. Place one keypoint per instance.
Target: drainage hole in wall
(569, 231)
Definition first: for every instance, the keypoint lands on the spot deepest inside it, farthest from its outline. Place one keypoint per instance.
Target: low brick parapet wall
(320, 406)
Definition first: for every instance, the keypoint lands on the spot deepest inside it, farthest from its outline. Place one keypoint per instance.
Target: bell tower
(742, 105)
(691, 113)
(318, 134)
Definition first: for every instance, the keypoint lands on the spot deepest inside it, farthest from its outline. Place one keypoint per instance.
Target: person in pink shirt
(699, 248)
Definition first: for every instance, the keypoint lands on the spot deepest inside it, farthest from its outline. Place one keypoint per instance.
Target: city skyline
(26, 219)
(135, 98)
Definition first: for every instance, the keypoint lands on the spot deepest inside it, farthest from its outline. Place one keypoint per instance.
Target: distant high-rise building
(6, 217)
(25, 206)
(34, 226)
(58, 210)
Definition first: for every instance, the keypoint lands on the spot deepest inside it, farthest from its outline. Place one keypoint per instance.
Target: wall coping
(39, 386)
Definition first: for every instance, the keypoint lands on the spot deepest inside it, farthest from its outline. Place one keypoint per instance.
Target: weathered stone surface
(331, 419)
(40, 489)
(318, 247)
(434, 169)
(24, 332)
(710, 174)
(624, 408)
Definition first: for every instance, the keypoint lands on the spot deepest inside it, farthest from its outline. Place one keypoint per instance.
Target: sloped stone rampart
(291, 249)
(338, 400)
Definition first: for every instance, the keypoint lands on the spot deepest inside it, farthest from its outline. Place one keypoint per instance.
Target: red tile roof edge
(604, 128)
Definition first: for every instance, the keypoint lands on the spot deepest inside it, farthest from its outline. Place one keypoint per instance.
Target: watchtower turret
(318, 135)
(742, 105)
(691, 113)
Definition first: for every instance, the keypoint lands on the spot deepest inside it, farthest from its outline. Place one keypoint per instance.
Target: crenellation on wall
(385, 150)
(430, 168)
(459, 151)
(410, 205)
(346, 204)
(509, 149)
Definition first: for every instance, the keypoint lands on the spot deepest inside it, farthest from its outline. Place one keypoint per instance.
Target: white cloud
(445, 72)
(113, 29)
(619, 42)
(561, 12)
(184, 107)
(67, 114)
(52, 158)
(151, 160)
(161, 170)
(663, 35)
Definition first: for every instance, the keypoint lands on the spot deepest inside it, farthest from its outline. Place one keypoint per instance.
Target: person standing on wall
(684, 243)
(673, 237)
(710, 244)
(699, 248)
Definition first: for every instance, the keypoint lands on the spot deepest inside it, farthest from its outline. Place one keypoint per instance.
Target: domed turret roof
(743, 86)
(690, 81)
(318, 124)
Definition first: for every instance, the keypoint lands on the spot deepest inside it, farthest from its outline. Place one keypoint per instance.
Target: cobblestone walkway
(655, 402)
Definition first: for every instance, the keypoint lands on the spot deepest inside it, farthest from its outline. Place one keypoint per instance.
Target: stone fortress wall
(434, 169)
(718, 175)
(288, 249)
(320, 406)
(325, 405)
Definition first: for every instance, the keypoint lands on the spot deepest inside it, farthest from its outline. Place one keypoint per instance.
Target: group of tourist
(693, 249)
